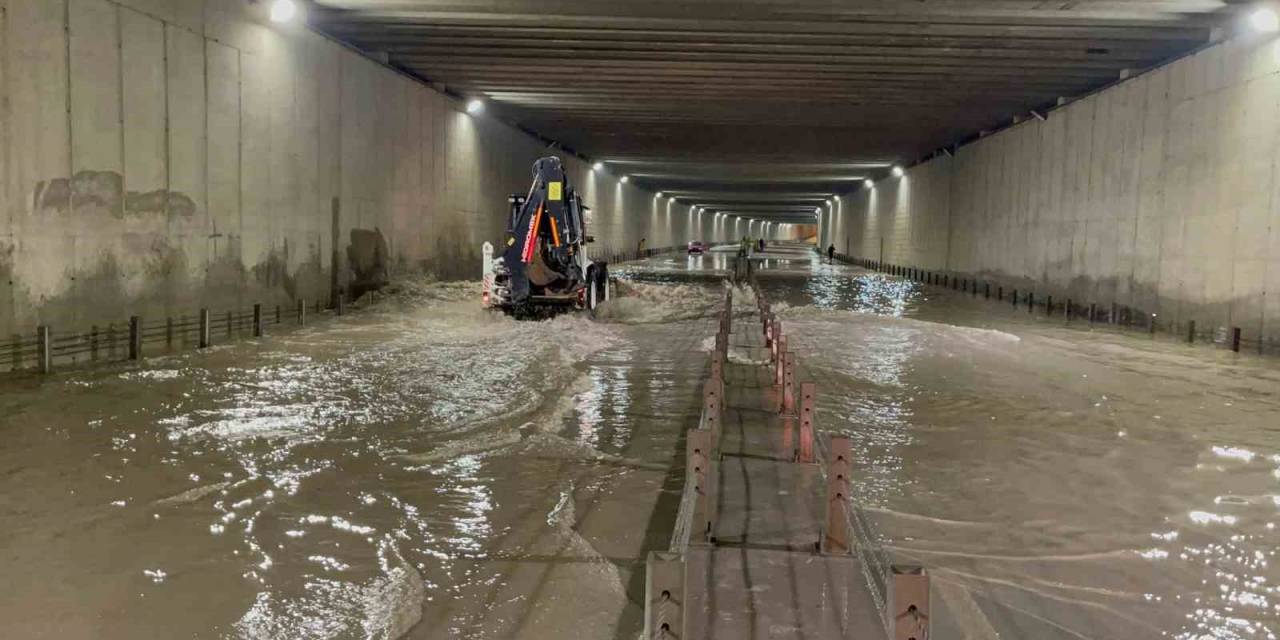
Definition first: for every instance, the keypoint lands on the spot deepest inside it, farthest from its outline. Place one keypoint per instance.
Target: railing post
(135, 337)
(278, 316)
(664, 596)
(168, 332)
(779, 350)
(257, 320)
(711, 404)
(1191, 331)
(807, 392)
(230, 324)
(789, 383)
(339, 306)
(205, 329)
(698, 449)
(44, 350)
(302, 311)
(835, 532)
(907, 603)
(1235, 339)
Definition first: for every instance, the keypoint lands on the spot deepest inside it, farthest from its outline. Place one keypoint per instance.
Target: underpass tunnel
(400, 318)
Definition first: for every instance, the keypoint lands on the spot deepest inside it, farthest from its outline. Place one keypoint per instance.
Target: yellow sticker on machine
(554, 191)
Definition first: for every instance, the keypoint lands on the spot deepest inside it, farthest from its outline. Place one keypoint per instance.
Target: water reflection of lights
(472, 526)
(589, 405)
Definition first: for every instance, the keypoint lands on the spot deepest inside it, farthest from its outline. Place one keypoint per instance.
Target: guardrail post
(807, 392)
(1191, 331)
(168, 332)
(44, 350)
(789, 383)
(835, 532)
(1031, 302)
(779, 349)
(135, 337)
(339, 306)
(257, 320)
(711, 404)
(205, 329)
(302, 311)
(664, 596)
(278, 316)
(907, 603)
(698, 449)
(1235, 339)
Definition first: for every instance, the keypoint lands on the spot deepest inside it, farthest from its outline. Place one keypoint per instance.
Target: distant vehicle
(697, 247)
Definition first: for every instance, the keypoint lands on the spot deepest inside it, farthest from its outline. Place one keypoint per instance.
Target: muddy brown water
(428, 470)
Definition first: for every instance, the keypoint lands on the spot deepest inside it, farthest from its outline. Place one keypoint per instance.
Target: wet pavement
(424, 469)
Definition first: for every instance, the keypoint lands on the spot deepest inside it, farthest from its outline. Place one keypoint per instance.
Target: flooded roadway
(426, 470)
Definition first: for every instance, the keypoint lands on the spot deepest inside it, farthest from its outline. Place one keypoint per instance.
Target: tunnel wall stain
(1157, 195)
(160, 157)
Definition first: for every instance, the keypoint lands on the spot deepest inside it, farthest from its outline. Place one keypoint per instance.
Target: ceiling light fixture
(599, 166)
(474, 106)
(1265, 20)
(898, 172)
(283, 11)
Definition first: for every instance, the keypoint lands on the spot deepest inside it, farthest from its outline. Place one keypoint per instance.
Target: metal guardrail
(614, 256)
(900, 593)
(46, 347)
(1118, 315)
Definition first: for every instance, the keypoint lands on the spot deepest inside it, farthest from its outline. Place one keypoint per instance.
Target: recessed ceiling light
(283, 11)
(1265, 20)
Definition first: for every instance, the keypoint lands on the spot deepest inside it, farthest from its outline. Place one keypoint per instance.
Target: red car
(697, 246)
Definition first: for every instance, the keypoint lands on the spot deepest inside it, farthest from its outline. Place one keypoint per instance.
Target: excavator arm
(543, 262)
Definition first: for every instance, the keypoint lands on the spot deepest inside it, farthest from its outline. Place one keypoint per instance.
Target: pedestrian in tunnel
(760, 245)
(831, 254)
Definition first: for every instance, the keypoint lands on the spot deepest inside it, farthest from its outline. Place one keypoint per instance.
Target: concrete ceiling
(765, 107)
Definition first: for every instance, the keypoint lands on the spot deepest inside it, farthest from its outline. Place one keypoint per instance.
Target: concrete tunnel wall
(1157, 194)
(157, 156)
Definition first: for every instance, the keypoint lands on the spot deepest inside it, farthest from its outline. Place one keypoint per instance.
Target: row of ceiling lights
(1263, 19)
